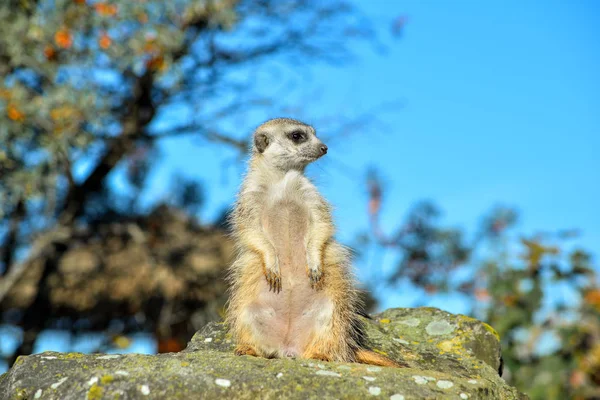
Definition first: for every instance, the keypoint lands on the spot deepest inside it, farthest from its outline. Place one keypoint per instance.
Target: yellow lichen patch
(488, 328)
(95, 392)
(454, 346)
(107, 379)
(384, 321)
(445, 346)
(380, 352)
(467, 318)
(491, 330)
(411, 356)
(185, 364)
(72, 356)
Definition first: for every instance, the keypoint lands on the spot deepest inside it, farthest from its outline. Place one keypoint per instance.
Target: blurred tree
(539, 293)
(87, 86)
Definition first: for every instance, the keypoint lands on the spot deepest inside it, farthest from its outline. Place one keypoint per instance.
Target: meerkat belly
(292, 316)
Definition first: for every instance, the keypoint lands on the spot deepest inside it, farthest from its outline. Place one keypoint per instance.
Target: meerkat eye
(297, 136)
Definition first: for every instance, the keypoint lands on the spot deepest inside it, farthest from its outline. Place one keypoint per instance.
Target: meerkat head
(288, 144)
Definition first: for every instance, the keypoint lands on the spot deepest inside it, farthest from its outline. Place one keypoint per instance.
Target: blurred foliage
(539, 292)
(87, 90)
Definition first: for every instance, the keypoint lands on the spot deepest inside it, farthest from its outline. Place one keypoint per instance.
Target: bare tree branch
(41, 247)
(7, 252)
(140, 114)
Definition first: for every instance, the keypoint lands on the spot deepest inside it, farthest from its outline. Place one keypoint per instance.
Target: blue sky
(501, 105)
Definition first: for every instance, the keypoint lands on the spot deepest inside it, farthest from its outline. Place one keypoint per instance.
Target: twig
(39, 249)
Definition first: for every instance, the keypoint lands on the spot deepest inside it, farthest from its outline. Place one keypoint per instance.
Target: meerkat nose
(324, 149)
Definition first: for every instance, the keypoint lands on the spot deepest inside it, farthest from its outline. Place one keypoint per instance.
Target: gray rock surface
(449, 356)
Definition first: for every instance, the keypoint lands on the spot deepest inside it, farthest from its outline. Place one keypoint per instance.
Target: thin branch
(141, 113)
(210, 135)
(41, 248)
(7, 252)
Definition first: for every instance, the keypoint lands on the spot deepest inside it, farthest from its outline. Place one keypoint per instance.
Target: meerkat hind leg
(245, 350)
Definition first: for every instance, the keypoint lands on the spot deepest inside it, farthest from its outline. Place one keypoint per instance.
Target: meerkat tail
(372, 358)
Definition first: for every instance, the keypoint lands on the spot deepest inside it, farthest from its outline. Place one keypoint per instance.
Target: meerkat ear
(261, 141)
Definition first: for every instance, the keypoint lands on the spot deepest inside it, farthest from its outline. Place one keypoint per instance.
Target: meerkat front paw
(273, 275)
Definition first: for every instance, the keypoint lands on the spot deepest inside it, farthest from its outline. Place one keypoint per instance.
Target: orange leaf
(49, 52)
(482, 294)
(510, 300)
(150, 47)
(63, 38)
(105, 9)
(430, 289)
(577, 378)
(143, 18)
(104, 41)
(5, 94)
(592, 297)
(156, 63)
(65, 113)
(14, 113)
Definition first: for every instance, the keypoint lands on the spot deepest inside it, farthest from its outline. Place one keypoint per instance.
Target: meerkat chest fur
(288, 315)
(286, 216)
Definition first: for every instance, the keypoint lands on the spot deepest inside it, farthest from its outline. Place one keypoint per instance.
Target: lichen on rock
(449, 356)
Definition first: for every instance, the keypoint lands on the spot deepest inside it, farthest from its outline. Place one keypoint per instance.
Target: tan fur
(292, 289)
(370, 357)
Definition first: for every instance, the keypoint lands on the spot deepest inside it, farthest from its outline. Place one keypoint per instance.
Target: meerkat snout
(324, 149)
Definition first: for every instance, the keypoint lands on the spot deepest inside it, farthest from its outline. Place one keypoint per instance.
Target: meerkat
(292, 291)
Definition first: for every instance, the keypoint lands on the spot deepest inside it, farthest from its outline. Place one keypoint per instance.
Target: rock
(449, 356)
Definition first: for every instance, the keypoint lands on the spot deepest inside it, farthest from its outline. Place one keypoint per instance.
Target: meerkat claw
(274, 281)
(315, 276)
